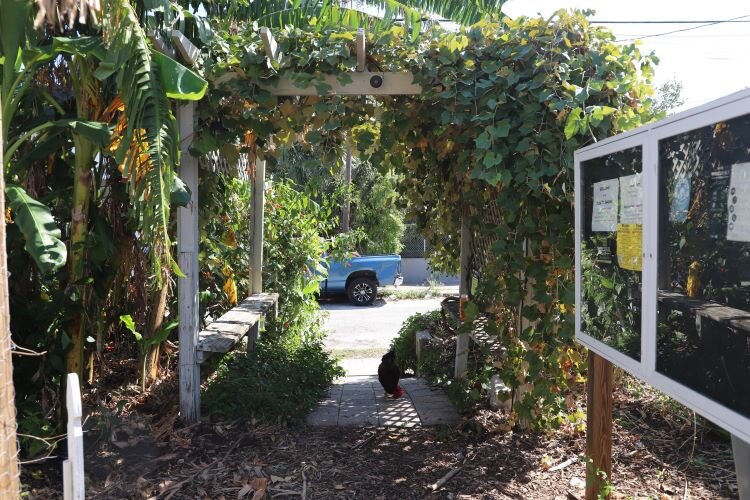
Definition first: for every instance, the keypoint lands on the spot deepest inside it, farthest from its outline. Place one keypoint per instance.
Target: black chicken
(388, 374)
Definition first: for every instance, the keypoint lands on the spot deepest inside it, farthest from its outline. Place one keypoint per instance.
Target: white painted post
(73, 478)
(187, 287)
(464, 286)
(741, 451)
(258, 202)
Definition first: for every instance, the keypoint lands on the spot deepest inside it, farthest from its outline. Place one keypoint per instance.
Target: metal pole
(258, 202)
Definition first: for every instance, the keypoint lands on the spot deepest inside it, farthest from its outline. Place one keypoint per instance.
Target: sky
(711, 61)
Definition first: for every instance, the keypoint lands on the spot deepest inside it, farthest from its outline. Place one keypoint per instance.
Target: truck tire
(361, 292)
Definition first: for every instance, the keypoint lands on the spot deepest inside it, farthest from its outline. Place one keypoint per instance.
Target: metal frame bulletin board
(663, 256)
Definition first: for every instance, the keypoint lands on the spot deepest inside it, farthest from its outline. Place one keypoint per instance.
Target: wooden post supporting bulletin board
(598, 425)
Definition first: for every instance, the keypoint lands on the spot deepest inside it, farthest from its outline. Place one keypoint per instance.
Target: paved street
(370, 328)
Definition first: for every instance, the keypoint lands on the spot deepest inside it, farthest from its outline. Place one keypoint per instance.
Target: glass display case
(663, 256)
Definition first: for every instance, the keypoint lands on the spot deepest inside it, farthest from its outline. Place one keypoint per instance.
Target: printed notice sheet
(629, 246)
(604, 216)
(631, 199)
(738, 203)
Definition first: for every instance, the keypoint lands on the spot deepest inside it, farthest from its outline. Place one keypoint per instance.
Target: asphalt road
(369, 329)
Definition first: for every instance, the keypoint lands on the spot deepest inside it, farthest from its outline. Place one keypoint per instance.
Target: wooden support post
(252, 336)
(598, 424)
(361, 51)
(346, 206)
(464, 287)
(258, 202)
(9, 483)
(187, 241)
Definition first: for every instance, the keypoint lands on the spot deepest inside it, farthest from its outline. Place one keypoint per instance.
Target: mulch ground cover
(659, 452)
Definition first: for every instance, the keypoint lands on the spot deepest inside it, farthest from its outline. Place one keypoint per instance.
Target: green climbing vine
(503, 107)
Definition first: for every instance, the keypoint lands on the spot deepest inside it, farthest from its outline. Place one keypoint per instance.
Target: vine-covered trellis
(490, 137)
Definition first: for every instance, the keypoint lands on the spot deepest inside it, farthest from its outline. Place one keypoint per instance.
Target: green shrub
(405, 343)
(279, 381)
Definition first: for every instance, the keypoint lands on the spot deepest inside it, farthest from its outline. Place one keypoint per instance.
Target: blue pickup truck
(360, 276)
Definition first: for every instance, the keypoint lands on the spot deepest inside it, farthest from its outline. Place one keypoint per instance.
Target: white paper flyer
(738, 203)
(604, 216)
(631, 199)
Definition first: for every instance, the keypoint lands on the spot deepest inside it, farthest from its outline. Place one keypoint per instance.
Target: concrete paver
(359, 401)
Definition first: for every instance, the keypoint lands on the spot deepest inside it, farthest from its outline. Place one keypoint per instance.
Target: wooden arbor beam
(357, 83)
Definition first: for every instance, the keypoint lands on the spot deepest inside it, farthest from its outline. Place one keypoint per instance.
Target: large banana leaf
(179, 82)
(151, 126)
(37, 225)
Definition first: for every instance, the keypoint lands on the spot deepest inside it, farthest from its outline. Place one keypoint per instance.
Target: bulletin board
(663, 256)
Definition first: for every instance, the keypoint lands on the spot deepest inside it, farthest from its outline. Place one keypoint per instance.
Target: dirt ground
(659, 452)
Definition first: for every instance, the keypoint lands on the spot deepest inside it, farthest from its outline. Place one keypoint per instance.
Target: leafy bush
(295, 241)
(224, 242)
(376, 211)
(277, 382)
(405, 343)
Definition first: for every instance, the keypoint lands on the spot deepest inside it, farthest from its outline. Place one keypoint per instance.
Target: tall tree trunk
(88, 103)
(78, 233)
(155, 322)
(9, 484)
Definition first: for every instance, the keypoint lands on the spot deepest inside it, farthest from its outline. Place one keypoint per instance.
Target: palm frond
(373, 14)
(151, 128)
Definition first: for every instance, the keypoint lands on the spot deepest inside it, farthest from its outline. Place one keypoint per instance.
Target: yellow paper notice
(629, 246)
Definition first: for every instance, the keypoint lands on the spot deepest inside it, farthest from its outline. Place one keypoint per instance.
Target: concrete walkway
(358, 401)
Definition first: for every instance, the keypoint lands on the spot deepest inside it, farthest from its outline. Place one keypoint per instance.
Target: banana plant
(34, 219)
(145, 343)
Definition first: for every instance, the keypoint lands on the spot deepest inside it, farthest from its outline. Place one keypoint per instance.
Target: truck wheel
(361, 291)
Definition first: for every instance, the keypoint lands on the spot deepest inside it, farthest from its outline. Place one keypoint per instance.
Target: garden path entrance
(358, 401)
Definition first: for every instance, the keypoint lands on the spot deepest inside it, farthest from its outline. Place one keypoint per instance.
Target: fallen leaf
(260, 485)
(244, 491)
(577, 483)
(546, 462)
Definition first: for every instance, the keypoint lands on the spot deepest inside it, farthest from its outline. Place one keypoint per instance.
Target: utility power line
(711, 23)
(721, 21)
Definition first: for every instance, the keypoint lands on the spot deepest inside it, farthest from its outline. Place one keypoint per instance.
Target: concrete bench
(222, 335)
(478, 332)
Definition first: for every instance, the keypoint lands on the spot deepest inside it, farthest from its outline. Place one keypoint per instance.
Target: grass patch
(374, 352)
(433, 289)
(278, 382)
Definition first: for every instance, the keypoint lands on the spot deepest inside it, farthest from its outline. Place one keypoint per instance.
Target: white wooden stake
(258, 202)
(269, 42)
(187, 287)
(73, 478)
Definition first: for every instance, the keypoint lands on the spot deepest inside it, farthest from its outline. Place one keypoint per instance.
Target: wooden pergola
(360, 83)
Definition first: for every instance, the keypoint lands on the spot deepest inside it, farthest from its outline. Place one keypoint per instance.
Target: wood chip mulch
(659, 452)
